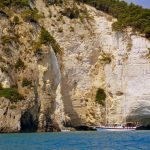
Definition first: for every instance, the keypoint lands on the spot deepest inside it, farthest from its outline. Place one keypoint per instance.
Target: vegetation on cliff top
(128, 15)
(31, 15)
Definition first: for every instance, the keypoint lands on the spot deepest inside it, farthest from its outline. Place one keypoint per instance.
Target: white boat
(65, 130)
(116, 128)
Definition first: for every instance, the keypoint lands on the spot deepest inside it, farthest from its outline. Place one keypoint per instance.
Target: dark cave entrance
(28, 123)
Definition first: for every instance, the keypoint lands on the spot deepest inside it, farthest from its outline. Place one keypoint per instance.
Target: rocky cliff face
(95, 67)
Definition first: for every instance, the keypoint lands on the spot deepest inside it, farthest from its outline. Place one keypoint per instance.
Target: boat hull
(65, 130)
(115, 129)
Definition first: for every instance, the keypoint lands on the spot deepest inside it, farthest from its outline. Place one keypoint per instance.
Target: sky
(144, 3)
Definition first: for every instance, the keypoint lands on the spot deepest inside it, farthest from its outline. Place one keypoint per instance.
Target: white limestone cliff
(125, 80)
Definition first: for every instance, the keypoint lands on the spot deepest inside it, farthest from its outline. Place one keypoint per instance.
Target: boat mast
(124, 107)
(125, 120)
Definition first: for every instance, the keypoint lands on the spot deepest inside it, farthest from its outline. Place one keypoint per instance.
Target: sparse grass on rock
(12, 94)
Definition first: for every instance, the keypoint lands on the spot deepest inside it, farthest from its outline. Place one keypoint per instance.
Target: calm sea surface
(133, 140)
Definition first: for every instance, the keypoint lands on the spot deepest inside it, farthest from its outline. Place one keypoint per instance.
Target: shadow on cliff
(141, 110)
(141, 114)
(75, 120)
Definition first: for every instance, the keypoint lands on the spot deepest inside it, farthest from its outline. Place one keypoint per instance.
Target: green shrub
(16, 20)
(100, 96)
(147, 32)
(31, 15)
(117, 26)
(52, 2)
(12, 94)
(14, 3)
(55, 47)
(26, 82)
(19, 64)
(46, 38)
(72, 12)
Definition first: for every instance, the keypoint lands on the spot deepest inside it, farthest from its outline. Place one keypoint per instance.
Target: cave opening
(28, 123)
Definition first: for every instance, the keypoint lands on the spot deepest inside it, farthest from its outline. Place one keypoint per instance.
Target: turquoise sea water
(133, 140)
